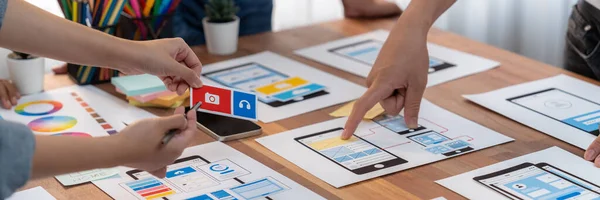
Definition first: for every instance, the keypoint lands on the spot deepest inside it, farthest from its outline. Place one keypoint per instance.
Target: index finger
(361, 107)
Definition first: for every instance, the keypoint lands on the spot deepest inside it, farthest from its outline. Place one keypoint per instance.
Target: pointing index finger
(361, 107)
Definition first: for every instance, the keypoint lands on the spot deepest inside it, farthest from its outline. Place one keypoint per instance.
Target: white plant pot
(26, 74)
(221, 38)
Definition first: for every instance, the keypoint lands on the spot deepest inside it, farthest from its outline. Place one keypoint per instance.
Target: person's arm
(399, 76)
(138, 145)
(29, 29)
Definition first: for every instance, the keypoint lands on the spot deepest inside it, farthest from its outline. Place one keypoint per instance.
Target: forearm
(415, 22)
(29, 29)
(59, 155)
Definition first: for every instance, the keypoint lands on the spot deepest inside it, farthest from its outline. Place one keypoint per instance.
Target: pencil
(75, 9)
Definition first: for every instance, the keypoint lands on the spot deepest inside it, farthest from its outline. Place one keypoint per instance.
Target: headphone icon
(241, 104)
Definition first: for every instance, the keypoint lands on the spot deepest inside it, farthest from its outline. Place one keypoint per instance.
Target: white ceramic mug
(26, 74)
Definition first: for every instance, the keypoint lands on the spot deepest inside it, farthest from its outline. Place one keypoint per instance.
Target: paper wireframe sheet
(208, 171)
(284, 87)
(552, 173)
(357, 55)
(75, 111)
(37, 193)
(381, 146)
(561, 106)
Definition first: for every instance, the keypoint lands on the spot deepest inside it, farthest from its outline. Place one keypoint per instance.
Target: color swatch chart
(109, 129)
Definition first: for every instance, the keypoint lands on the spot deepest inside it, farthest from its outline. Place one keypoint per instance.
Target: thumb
(172, 122)
(181, 140)
(412, 105)
(361, 107)
(593, 150)
(160, 173)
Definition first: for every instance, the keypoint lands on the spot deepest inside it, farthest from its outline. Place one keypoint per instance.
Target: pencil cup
(27, 74)
(84, 75)
(146, 28)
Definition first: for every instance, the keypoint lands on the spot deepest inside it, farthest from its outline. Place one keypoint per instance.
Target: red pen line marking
(397, 145)
(372, 132)
(445, 129)
(470, 138)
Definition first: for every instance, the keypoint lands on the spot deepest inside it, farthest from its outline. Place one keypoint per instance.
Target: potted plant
(26, 72)
(221, 26)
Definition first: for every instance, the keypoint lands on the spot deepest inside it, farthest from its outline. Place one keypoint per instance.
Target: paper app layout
(552, 173)
(212, 171)
(224, 101)
(561, 106)
(381, 146)
(283, 87)
(357, 54)
(74, 112)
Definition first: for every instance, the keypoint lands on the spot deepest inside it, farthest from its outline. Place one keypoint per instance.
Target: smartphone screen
(224, 126)
(355, 154)
(564, 107)
(395, 124)
(185, 174)
(530, 182)
(367, 51)
(436, 143)
(569, 176)
(249, 76)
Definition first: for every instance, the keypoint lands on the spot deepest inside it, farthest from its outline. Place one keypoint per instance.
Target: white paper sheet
(212, 169)
(75, 111)
(337, 54)
(557, 113)
(464, 184)
(37, 193)
(445, 135)
(250, 72)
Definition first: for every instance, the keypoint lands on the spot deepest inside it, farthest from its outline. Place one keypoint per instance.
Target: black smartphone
(564, 107)
(438, 143)
(224, 128)
(396, 124)
(355, 154)
(366, 52)
(530, 181)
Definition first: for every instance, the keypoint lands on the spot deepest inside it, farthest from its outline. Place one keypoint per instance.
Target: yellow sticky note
(133, 102)
(280, 86)
(345, 111)
(165, 101)
(331, 142)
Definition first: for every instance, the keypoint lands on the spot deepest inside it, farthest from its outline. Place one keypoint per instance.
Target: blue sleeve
(17, 144)
(3, 5)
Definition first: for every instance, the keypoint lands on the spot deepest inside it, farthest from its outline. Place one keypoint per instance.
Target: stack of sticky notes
(148, 91)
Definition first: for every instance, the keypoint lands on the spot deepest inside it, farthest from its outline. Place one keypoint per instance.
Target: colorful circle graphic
(21, 108)
(73, 134)
(52, 124)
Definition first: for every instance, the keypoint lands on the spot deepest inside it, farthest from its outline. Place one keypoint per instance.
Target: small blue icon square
(244, 104)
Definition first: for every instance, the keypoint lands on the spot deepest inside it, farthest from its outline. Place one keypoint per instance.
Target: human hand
(397, 80)
(170, 59)
(9, 95)
(593, 152)
(143, 141)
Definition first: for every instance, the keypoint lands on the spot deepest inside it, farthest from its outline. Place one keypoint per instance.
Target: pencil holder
(146, 28)
(84, 75)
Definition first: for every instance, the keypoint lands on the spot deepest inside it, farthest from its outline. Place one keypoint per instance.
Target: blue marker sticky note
(244, 105)
(138, 84)
(299, 92)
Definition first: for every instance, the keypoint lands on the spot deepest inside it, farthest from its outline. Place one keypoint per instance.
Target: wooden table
(416, 183)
